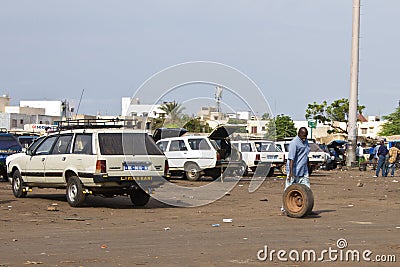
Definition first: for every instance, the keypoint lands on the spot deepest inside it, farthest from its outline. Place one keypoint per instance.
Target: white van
(196, 155)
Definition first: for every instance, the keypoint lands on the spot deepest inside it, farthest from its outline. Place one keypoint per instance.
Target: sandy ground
(349, 205)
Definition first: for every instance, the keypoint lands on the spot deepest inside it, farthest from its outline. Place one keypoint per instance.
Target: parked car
(196, 155)
(100, 161)
(9, 145)
(316, 157)
(260, 153)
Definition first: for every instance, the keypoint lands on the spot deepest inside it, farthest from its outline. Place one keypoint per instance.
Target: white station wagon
(260, 153)
(102, 161)
(196, 155)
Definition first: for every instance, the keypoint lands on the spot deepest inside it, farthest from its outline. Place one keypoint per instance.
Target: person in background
(394, 151)
(359, 152)
(375, 159)
(382, 152)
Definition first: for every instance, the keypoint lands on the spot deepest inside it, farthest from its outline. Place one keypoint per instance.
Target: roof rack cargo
(94, 123)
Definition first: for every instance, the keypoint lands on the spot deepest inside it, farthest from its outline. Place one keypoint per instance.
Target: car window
(45, 147)
(279, 146)
(245, 147)
(62, 145)
(162, 145)
(286, 147)
(82, 144)
(127, 144)
(265, 147)
(177, 145)
(9, 142)
(199, 144)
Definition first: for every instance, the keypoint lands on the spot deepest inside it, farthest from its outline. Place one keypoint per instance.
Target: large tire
(139, 197)
(18, 185)
(298, 200)
(270, 172)
(192, 172)
(75, 195)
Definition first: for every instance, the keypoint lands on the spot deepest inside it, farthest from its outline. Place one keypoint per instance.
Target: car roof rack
(93, 124)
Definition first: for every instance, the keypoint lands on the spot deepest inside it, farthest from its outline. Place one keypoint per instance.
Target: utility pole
(353, 100)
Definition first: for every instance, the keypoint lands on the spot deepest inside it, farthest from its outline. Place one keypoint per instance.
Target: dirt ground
(349, 205)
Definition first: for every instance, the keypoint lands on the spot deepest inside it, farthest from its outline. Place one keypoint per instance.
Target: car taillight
(101, 166)
(218, 156)
(258, 157)
(166, 168)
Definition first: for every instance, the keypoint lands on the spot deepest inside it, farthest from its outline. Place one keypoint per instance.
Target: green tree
(280, 127)
(197, 126)
(265, 116)
(392, 126)
(326, 114)
(173, 109)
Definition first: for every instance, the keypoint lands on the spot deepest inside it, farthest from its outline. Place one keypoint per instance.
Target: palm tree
(173, 110)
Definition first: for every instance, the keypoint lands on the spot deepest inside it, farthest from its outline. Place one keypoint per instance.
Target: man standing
(382, 151)
(297, 163)
(359, 152)
(393, 152)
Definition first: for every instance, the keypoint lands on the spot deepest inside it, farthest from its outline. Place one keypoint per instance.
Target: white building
(132, 107)
(52, 108)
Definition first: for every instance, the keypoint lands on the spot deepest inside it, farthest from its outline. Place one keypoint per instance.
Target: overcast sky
(296, 51)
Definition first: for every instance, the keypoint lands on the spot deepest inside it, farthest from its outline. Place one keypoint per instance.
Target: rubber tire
(310, 169)
(192, 172)
(17, 185)
(271, 172)
(74, 192)
(4, 173)
(298, 200)
(139, 197)
(245, 169)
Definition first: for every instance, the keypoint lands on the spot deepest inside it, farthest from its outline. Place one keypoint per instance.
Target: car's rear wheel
(139, 197)
(18, 185)
(4, 173)
(75, 192)
(270, 172)
(192, 172)
(298, 200)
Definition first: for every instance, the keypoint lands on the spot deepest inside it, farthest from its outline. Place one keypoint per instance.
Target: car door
(57, 159)
(34, 172)
(177, 153)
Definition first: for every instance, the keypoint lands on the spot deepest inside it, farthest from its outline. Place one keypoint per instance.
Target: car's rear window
(9, 142)
(127, 144)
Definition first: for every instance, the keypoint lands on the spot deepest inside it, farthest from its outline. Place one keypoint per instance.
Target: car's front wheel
(18, 185)
(75, 192)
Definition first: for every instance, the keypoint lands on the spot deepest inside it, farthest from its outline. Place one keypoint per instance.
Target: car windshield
(127, 144)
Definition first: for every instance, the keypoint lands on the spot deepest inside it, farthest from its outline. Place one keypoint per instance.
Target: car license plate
(136, 168)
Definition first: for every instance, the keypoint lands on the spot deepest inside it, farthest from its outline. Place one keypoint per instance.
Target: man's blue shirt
(298, 152)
